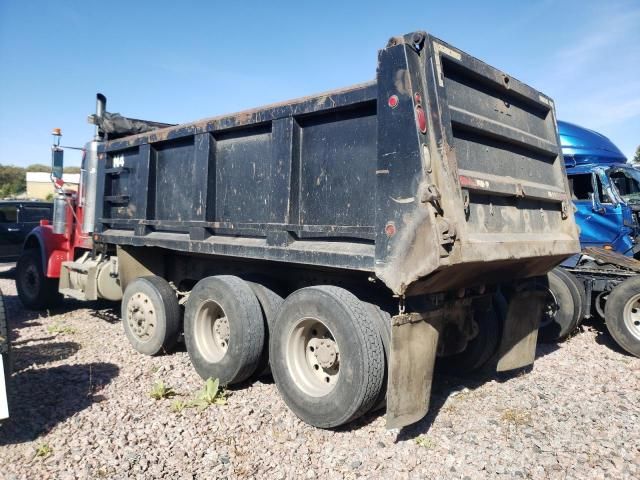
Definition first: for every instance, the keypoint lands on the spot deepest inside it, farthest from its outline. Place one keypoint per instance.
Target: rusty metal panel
(613, 258)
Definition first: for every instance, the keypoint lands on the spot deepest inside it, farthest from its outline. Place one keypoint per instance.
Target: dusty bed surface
(81, 409)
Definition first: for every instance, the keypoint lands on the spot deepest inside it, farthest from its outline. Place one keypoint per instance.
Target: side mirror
(57, 162)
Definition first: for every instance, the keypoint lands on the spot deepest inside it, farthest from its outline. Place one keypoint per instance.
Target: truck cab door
(10, 234)
(601, 218)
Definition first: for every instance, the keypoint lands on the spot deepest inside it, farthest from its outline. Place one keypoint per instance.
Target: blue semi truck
(605, 276)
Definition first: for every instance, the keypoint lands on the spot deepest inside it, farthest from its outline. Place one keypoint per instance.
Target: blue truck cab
(605, 189)
(605, 276)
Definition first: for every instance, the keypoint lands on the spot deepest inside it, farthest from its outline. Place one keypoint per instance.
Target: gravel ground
(81, 409)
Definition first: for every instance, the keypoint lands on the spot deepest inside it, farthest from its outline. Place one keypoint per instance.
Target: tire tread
(374, 369)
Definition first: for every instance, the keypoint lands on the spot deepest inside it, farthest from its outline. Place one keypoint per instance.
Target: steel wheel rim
(551, 308)
(600, 302)
(631, 316)
(31, 280)
(211, 331)
(313, 357)
(141, 317)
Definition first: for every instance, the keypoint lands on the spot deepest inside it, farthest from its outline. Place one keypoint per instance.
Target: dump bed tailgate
(492, 172)
(507, 154)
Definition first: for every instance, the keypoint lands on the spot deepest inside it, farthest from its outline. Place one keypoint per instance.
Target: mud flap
(414, 344)
(520, 333)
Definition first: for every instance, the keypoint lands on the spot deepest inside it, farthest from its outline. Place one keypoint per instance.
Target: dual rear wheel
(324, 346)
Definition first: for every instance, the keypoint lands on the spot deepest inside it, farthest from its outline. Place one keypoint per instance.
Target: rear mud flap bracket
(414, 344)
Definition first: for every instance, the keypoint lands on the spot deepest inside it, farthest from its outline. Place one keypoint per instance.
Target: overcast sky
(181, 61)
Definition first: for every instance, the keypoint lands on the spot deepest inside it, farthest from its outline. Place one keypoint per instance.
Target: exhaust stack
(90, 167)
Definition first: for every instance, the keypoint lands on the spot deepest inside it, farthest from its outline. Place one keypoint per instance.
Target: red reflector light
(393, 101)
(390, 229)
(421, 119)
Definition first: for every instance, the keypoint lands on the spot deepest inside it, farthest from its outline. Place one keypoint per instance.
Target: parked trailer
(342, 240)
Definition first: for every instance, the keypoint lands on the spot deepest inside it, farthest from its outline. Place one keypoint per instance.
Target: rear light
(421, 119)
(390, 229)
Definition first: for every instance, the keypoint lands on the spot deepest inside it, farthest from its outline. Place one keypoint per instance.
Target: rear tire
(224, 329)
(327, 356)
(270, 303)
(622, 315)
(579, 287)
(151, 315)
(35, 290)
(382, 321)
(483, 347)
(563, 308)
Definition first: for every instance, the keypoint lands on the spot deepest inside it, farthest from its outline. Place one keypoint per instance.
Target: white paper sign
(4, 406)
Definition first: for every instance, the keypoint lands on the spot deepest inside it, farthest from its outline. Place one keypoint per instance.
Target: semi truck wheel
(35, 290)
(622, 315)
(563, 308)
(485, 344)
(582, 293)
(382, 321)
(151, 315)
(327, 356)
(270, 302)
(224, 329)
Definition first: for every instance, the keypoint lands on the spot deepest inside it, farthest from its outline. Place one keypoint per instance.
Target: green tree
(71, 169)
(636, 157)
(38, 167)
(12, 180)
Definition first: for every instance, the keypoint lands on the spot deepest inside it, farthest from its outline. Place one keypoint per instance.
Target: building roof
(45, 177)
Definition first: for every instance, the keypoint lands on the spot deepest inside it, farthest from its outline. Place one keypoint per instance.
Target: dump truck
(341, 241)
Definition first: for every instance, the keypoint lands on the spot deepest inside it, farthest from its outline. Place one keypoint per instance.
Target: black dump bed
(444, 172)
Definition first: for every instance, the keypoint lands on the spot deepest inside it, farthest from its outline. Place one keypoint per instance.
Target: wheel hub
(325, 351)
(314, 357)
(31, 283)
(141, 316)
(632, 316)
(212, 331)
(550, 308)
(221, 330)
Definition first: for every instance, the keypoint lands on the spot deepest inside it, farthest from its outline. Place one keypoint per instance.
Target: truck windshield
(627, 182)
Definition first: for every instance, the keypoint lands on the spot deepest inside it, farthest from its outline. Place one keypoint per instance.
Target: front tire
(151, 315)
(327, 356)
(35, 290)
(622, 315)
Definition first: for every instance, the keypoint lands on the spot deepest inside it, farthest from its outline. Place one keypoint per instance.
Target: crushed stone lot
(81, 408)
